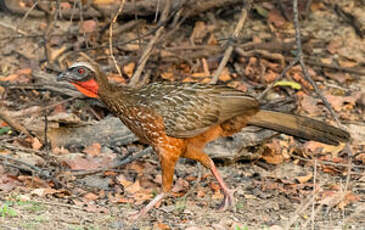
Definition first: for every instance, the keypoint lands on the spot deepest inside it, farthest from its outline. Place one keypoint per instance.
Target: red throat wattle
(89, 88)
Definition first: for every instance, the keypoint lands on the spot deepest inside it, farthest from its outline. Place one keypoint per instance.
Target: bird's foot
(148, 207)
(229, 201)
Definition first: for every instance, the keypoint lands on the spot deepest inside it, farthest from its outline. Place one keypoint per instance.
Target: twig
(319, 93)
(143, 60)
(32, 168)
(327, 162)
(228, 52)
(308, 8)
(331, 66)
(314, 193)
(147, 53)
(328, 106)
(119, 164)
(349, 165)
(63, 205)
(111, 37)
(3, 24)
(303, 66)
(297, 213)
(46, 130)
(13, 123)
(22, 149)
(29, 11)
(277, 79)
(56, 87)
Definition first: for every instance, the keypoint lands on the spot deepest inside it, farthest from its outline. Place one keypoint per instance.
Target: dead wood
(137, 8)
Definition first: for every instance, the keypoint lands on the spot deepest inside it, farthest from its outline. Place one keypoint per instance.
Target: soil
(289, 194)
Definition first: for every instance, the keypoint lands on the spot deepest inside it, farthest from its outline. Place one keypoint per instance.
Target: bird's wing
(190, 109)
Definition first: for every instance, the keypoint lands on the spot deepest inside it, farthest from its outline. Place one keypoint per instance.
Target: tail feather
(299, 126)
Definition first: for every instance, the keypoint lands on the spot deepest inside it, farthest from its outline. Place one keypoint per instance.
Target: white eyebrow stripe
(87, 65)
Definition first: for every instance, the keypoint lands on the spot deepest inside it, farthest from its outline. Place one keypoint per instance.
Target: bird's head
(84, 76)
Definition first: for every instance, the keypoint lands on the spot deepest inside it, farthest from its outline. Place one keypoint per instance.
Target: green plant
(6, 211)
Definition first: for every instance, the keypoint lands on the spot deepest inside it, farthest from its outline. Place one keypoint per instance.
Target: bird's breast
(144, 123)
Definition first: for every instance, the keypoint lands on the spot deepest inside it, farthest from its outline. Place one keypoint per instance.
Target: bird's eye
(81, 70)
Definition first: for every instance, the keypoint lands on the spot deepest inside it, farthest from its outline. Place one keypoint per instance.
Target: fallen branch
(28, 167)
(143, 8)
(117, 165)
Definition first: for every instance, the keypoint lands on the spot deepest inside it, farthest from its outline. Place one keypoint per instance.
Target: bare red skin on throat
(89, 88)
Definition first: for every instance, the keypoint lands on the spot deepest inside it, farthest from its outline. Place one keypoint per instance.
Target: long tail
(299, 126)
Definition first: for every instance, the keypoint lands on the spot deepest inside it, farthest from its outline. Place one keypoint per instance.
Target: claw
(229, 201)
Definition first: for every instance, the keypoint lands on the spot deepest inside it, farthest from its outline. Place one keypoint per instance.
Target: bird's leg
(205, 160)
(168, 168)
(229, 201)
(149, 206)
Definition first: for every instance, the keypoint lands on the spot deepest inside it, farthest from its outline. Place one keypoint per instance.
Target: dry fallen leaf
(93, 150)
(133, 188)
(309, 105)
(116, 78)
(225, 75)
(314, 148)
(334, 45)
(239, 85)
(298, 76)
(129, 69)
(123, 180)
(7, 182)
(180, 186)
(160, 226)
(361, 157)
(103, 2)
(91, 196)
(199, 31)
(270, 76)
(304, 179)
(200, 193)
(214, 186)
(272, 153)
(143, 195)
(276, 18)
(339, 76)
(138, 167)
(217, 195)
(66, 118)
(36, 144)
(42, 192)
(347, 64)
(349, 198)
(80, 163)
(340, 103)
(167, 76)
(200, 75)
(88, 26)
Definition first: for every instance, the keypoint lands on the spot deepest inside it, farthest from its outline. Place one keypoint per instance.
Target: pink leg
(228, 194)
(204, 159)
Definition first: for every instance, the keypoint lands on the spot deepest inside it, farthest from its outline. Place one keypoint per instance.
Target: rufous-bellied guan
(179, 119)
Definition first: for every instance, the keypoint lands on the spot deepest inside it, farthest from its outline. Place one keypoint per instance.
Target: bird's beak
(64, 76)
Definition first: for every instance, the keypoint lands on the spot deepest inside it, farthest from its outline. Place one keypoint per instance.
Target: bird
(178, 119)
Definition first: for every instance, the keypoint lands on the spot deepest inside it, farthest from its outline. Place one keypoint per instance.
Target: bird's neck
(117, 98)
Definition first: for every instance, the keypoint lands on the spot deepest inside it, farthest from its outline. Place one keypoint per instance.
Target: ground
(279, 182)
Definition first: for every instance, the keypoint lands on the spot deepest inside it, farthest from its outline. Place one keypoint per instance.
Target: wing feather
(191, 109)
